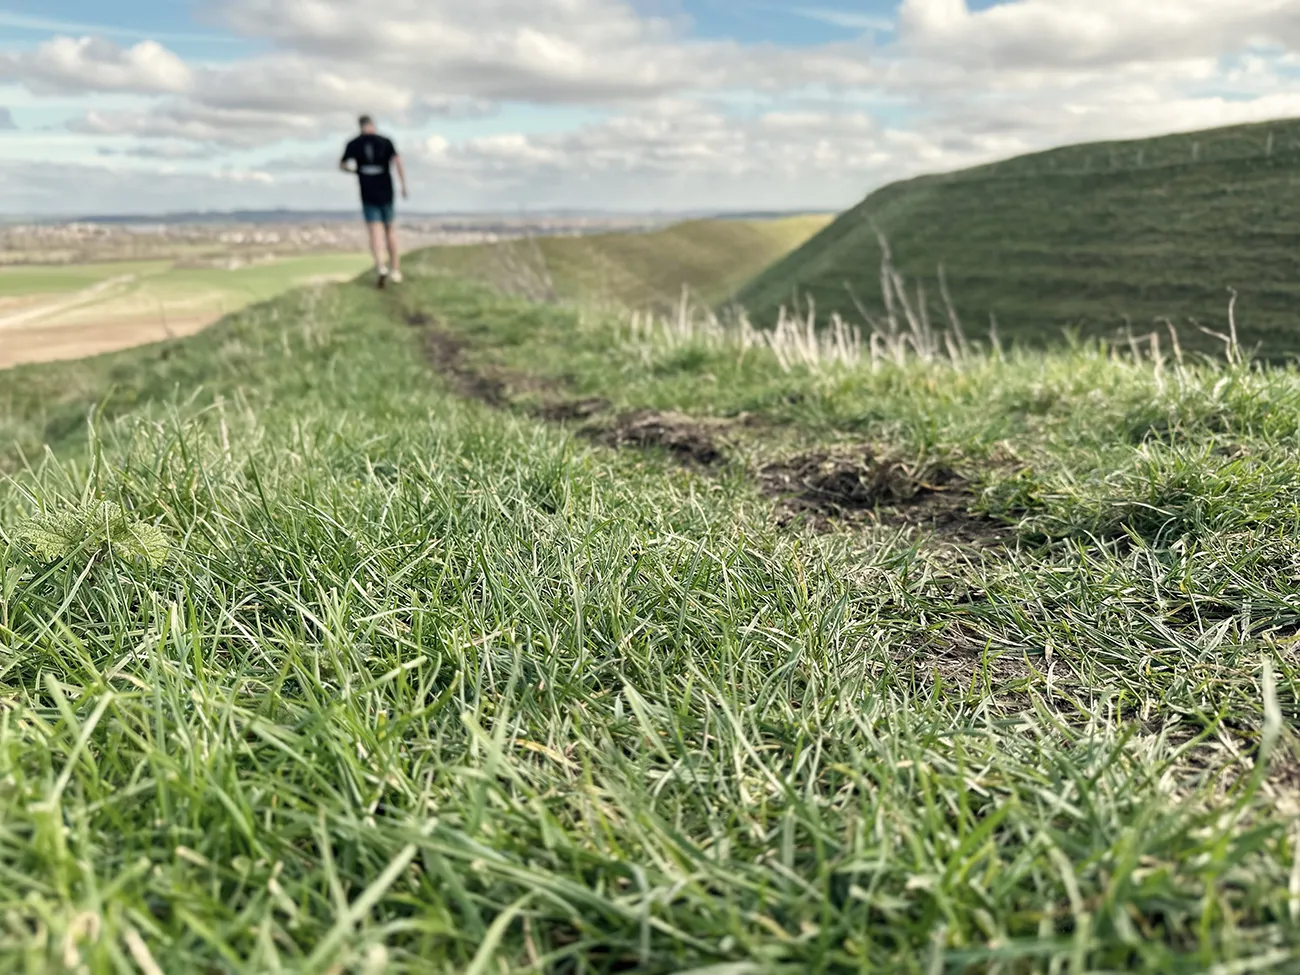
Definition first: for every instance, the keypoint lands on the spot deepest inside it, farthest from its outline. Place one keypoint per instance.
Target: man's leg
(377, 243)
(394, 258)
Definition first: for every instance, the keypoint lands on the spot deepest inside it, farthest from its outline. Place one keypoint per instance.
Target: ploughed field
(68, 311)
(438, 630)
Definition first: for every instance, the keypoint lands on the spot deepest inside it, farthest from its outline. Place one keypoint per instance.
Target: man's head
(367, 124)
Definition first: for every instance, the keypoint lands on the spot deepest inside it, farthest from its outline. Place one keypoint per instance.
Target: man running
(372, 157)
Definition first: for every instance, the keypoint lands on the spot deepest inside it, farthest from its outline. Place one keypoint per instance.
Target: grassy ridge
(425, 686)
(711, 257)
(1090, 237)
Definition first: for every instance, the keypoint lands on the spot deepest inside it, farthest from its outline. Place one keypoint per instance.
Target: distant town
(242, 238)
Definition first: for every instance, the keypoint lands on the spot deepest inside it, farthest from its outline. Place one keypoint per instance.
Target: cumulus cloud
(76, 65)
(412, 61)
(231, 128)
(541, 51)
(689, 152)
(553, 50)
(1069, 33)
(683, 119)
(167, 151)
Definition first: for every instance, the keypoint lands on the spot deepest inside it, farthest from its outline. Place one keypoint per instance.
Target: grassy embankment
(712, 258)
(427, 684)
(1092, 237)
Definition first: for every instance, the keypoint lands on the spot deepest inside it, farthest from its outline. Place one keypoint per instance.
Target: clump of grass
(795, 342)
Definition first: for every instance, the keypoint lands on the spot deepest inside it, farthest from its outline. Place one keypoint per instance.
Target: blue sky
(630, 104)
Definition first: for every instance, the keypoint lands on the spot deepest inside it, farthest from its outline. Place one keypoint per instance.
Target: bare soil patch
(568, 410)
(688, 439)
(856, 478)
(960, 656)
(862, 483)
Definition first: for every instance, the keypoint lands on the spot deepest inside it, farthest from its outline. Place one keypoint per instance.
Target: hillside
(711, 257)
(1092, 236)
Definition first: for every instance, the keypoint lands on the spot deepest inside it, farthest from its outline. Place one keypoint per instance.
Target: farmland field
(435, 630)
(70, 311)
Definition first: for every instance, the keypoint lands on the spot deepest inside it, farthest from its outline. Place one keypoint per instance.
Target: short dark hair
(365, 120)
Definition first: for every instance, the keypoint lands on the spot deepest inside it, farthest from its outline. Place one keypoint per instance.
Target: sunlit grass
(423, 686)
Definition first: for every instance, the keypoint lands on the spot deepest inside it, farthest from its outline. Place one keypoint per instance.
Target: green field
(1095, 238)
(433, 630)
(711, 258)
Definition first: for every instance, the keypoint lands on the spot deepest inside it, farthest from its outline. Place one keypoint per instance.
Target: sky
(147, 106)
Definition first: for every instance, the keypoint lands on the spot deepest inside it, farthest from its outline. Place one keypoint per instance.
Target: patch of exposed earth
(686, 438)
(853, 485)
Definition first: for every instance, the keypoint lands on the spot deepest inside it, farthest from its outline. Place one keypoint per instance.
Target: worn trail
(826, 489)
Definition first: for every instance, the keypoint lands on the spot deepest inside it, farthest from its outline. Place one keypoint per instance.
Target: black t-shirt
(374, 157)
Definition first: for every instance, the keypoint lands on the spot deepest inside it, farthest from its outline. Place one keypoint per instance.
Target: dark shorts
(378, 213)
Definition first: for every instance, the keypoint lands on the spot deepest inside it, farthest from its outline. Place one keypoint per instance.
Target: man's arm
(348, 163)
(401, 174)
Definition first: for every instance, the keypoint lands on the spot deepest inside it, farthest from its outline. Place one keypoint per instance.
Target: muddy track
(824, 489)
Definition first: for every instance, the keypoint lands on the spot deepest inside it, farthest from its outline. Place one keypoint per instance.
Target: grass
(1094, 238)
(712, 258)
(425, 685)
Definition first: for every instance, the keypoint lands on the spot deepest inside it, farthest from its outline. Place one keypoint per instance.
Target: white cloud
(416, 60)
(227, 127)
(245, 176)
(688, 152)
(684, 120)
(92, 64)
(547, 51)
(168, 151)
(1069, 33)
(843, 18)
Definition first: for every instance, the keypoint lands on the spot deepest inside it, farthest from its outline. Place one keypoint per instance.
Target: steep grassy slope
(711, 257)
(1090, 236)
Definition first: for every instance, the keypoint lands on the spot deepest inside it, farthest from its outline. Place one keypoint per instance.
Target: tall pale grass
(901, 332)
